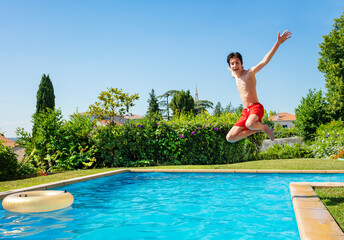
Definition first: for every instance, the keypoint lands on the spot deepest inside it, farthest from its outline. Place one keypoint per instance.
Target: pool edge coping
(313, 219)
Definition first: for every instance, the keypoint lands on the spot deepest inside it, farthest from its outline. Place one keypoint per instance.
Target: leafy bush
(74, 146)
(8, 164)
(47, 126)
(183, 140)
(310, 114)
(58, 144)
(329, 139)
(278, 151)
(78, 143)
(284, 132)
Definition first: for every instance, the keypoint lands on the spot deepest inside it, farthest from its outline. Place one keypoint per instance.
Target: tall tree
(229, 108)
(218, 109)
(332, 64)
(310, 114)
(45, 95)
(182, 102)
(111, 103)
(153, 105)
(238, 109)
(202, 105)
(165, 103)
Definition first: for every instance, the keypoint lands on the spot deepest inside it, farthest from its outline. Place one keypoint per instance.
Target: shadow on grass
(333, 201)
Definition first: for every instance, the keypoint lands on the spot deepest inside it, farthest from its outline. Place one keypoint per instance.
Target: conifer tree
(165, 103)
(218, 109)
(45, 99)
(153, 107)
(201, 106)
(45, 95)
(182, 102)
(229, 108)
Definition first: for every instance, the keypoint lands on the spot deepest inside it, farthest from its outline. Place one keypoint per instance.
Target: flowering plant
(339, 154)
(329, 140)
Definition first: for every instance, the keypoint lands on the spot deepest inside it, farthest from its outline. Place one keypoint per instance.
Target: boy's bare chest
(245, 82)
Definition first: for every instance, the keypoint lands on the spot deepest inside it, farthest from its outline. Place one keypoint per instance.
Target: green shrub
(329, 139)
(26, 169)
(48, 125)
(78, 143)
(8, 164)
(285, 132)
(58, 144)
(74, 146)
(279, 131)
(278, 151)
(141, 163)
(310, 114)
(183, 140)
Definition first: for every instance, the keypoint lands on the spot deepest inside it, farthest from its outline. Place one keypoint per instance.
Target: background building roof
(7, 142)
(280, 117)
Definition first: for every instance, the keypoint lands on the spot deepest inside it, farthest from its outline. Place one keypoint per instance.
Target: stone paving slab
(313, 219)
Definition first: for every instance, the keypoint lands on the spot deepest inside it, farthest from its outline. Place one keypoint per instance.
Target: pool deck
(313, 219)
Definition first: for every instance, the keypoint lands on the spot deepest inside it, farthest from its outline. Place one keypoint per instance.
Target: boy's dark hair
(234, 54)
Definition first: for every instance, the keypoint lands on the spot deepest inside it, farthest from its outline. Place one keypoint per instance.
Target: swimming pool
(170, 206)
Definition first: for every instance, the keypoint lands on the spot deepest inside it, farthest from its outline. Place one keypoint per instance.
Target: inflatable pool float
(37, 201)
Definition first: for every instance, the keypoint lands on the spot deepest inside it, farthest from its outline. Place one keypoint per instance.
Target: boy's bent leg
(253, 123)
(237, 133)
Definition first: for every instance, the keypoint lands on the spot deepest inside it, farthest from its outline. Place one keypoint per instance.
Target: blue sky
(87, 46)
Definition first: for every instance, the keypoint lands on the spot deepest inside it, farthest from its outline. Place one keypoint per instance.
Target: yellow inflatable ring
(37, 201)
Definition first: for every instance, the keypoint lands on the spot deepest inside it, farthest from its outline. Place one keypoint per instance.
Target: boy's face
(235, 64)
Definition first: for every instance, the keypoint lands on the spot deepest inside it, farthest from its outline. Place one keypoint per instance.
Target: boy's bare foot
(269, 132)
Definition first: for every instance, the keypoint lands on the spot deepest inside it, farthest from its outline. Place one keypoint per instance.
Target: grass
(333, 199)
(28, 182)
(280, 164)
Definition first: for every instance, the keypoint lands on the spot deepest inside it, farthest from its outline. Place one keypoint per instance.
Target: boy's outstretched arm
(280, 39)
(231, 72)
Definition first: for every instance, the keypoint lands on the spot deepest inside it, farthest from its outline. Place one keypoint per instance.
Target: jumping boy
(253, 112)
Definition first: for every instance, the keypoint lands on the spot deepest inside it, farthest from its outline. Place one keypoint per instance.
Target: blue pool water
(170, 206)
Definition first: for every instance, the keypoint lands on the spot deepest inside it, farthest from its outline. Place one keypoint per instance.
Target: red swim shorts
(255, 108)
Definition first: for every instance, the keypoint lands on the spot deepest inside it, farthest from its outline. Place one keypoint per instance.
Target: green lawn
(333, 199)
(28, 182)
(280, 164)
